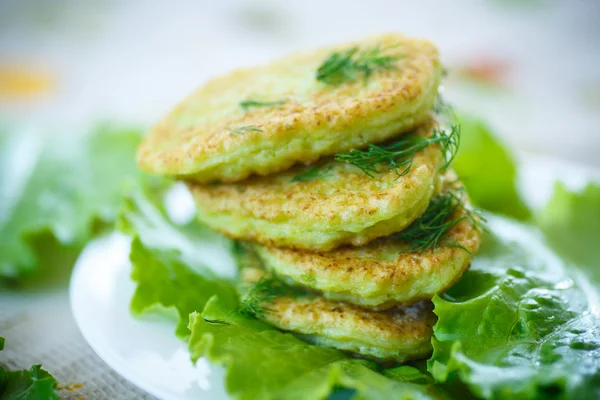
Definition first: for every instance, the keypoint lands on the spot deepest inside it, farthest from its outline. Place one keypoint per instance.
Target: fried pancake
(211, 137)
(340, 205)
(397, 334)
(381, 274)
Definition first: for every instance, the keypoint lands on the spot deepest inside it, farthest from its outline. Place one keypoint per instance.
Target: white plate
(146, 351)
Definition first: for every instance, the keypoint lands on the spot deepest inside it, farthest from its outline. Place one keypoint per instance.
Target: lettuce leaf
(264, 363)
(56, 192)
(167, 259)
(571, 223)
(32, 384)
(516, 326)
(488, 170)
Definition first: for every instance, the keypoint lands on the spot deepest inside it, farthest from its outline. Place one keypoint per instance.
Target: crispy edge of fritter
(373, 283)
(275, 211)
(397, 334)
(297, 132)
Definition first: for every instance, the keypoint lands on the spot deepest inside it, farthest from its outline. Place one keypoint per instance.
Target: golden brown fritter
(340, 205)
(381, 274)
(210, 137)
(397, 334)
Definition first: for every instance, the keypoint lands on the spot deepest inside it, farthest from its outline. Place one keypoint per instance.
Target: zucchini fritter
(341, 205)
(215, 134)
(382, 274)
(397, 334)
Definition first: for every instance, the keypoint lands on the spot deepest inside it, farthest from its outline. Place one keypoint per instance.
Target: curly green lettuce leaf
(571, 224)
(169, 269)
(488, 170)
(32, 384)
(264, 363)
(59, 191)
(168, 260)
(407, 373)
(516, 326)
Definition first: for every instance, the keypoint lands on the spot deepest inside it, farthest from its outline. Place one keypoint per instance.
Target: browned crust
(198, 128)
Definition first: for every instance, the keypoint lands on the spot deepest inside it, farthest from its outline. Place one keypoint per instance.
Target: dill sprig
(428, 231)
(308, 175)
(449, 143)
(265, 291)
(348, 65)
(312, 173)
(243, 129)
(248, 104)
(398, 156)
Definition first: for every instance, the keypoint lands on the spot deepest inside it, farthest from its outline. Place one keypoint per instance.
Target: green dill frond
(265, 291)
(248, 104)
(398, 156)
(428, 232)
(349, 65)
(449, 143)
(317, 171)
(243, 129)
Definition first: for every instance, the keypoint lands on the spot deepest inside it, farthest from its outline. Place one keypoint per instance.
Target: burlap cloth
(39, 329)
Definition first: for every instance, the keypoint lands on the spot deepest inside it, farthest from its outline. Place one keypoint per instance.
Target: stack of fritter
(331, 170)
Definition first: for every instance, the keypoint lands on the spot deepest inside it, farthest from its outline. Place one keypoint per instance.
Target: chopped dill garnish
(243, 129)
(348, 65)
(449, 143)
(248, 104)
(398, 156)
(265, 291)
(428, 231)
(312, 173)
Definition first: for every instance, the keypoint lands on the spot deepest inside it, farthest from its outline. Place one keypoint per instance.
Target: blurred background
(530, 67)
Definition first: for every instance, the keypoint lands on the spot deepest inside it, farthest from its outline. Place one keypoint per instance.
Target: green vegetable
(263, 363)
(398, 155)
(257, 301)
(428, 231)
(312, 173)
(516, 326)
(487, 170)
(248, 104)
(57, 192)
(34, 384)
(349, 65)
(168, 261)
(571, 223)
